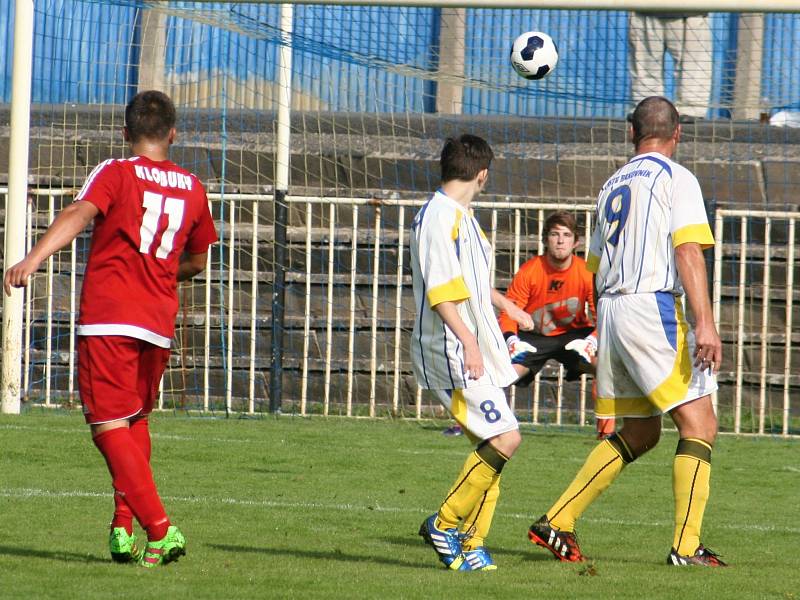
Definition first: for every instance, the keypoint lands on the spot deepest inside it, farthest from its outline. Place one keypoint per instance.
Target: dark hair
(654, 118)
(464, 157)
(149, 115)
(561, 217)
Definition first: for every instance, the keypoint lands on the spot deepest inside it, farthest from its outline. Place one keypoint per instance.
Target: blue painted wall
(781, 86)
(350, 57)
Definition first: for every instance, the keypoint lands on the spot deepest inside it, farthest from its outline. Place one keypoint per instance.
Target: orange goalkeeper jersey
(555, 299)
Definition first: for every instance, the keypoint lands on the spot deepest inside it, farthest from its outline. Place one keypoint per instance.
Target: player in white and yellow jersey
(458, 350)
(646, 251)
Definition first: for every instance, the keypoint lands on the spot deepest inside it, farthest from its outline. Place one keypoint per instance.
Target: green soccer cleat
(123, 546)
(169, 548)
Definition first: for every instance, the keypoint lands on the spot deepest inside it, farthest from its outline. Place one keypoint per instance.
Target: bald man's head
(654, 118)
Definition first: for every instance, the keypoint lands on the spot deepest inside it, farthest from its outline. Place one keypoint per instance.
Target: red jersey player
(152, 228)
(555, 289)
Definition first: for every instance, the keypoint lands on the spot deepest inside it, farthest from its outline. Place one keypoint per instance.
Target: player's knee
(644, 442)
(711, 429)
(507, 442)
(516, 438)
(641, 435)
(710, 433)
(702, 428)
(513, 440)
(651, 440)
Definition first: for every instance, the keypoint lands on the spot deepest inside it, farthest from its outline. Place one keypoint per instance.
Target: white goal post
(15, 203)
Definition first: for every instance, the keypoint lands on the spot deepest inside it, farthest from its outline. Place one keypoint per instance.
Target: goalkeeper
(554, 289)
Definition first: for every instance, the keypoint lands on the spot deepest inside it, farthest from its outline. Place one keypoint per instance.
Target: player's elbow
(193, 264)
(82, 212)
(688, 253)
(689, 258)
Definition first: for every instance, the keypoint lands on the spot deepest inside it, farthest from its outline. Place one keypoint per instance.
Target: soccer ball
(534, 55)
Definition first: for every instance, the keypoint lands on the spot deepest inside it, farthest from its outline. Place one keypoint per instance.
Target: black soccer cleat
(563, 544)
(702, 557)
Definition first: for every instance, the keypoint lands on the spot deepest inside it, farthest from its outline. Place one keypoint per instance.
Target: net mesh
(375, 90)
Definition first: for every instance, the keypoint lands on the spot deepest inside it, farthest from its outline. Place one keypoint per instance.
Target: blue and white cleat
(478, 560)
(445, 542)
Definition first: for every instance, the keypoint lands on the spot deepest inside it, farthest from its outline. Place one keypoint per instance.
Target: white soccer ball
(534, 55)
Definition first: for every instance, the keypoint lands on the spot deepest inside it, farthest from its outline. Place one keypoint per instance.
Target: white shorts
(645, 356)
(482, 411)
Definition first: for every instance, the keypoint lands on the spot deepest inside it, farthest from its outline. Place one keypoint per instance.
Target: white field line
(84, 431)
(34, 493)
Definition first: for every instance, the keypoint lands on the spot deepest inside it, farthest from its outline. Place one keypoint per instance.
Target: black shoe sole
(122, 557)
(173, 555)
(423, 533)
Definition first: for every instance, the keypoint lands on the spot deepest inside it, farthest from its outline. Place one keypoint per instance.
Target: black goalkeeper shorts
(548, 347)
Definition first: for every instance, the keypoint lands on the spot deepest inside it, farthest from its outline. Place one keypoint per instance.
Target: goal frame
(10, 388)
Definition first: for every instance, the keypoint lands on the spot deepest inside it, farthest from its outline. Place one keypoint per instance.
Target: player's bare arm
(523, 319)
(65, 228)
(473, 361)
(191, 265)
(692, 272)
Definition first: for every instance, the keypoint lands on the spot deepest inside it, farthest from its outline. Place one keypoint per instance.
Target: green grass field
(293, 508)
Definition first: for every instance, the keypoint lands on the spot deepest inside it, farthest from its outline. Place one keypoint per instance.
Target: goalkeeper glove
(586, 347)
(519, 350)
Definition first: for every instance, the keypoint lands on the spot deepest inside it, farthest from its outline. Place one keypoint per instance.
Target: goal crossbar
(746, 6)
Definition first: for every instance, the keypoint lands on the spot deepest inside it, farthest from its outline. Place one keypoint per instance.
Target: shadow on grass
(533, 554)
(275, 471)
(62, 556)
(322, 555)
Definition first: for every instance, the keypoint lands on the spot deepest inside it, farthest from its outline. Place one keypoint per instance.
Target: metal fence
(351, 320)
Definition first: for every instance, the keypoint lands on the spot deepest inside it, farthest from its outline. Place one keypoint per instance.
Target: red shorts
(118, 376)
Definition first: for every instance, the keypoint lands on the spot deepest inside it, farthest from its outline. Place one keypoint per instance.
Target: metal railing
(744, 252)
(367, 235)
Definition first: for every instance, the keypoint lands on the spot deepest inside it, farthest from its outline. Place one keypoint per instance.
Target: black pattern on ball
(541, 72)
(534, 44)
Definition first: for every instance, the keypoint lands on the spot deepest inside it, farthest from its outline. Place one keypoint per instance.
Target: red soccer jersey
(150, 213)
(555, 299)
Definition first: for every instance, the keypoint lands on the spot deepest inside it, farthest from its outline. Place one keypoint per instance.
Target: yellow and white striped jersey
(450, 261)
(644, 211)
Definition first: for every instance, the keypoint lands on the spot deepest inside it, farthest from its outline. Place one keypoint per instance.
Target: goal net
(323, 296)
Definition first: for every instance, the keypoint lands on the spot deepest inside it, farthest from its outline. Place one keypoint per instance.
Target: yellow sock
(476, 526)
(602, 467)
(476, 477)
(691, 475)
